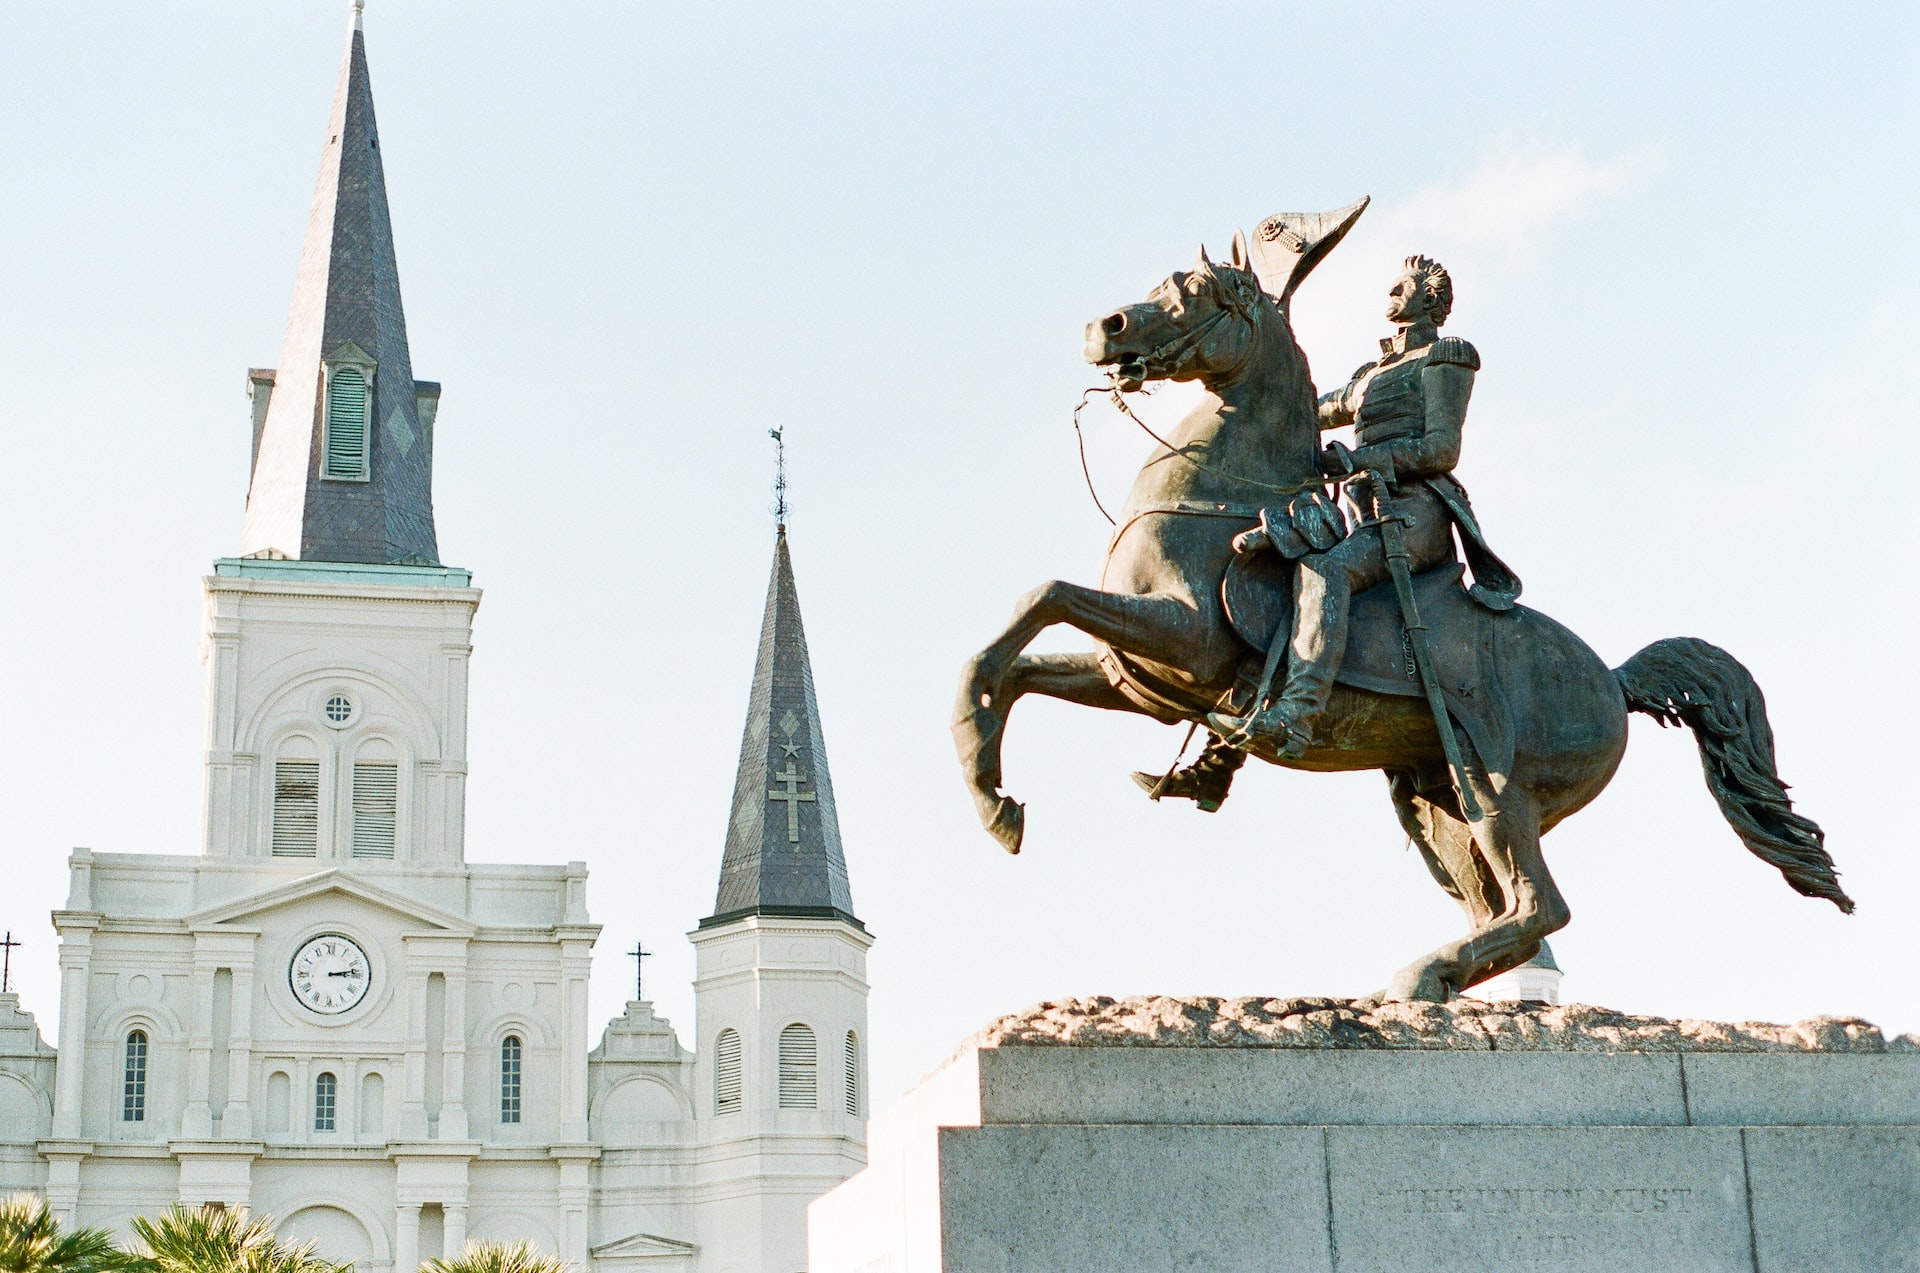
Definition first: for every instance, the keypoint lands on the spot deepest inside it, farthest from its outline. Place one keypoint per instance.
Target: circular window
(339, 710)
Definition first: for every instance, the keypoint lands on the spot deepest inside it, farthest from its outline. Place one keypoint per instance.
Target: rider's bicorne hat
(1287, 245)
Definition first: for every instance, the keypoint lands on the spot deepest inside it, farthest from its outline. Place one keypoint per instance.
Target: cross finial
(639, 954)
(7, 946)
(779, 476)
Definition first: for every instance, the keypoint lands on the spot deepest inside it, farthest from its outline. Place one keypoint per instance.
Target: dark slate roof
(1543, 960)
(783, 853)
(347, 293)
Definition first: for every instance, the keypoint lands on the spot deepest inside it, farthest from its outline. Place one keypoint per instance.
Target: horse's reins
(1113, 392)
(1179, 349)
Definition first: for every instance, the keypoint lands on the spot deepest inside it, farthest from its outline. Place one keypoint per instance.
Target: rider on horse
(1407, 410)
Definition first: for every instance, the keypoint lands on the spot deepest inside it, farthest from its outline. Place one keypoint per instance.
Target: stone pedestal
(1169, 1143)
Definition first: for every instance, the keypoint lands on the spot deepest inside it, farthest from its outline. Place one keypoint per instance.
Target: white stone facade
(457, 1097)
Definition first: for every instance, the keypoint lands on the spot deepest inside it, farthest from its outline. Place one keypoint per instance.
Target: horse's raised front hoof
(1009, 825)
(1417, 983)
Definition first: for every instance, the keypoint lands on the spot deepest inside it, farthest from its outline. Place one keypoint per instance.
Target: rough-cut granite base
(1330, 1135)
(1465, 1024)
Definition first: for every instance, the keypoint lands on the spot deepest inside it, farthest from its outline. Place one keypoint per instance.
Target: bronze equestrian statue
(1233, 559)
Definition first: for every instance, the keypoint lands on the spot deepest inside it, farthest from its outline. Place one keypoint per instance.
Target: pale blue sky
(633, 236)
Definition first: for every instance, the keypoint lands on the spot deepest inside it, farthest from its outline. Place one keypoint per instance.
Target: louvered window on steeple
(726, 1073)
(853, 1075)
(296, 808)
(376, 800)
(348, 411)
(799, 1068)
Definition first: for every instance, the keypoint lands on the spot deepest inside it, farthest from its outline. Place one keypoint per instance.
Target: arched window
(133, 1088)
(326, 1096)
(853, 1075)
(726, 1073)
(510, 1053)
(799, 1068)
(347, 413)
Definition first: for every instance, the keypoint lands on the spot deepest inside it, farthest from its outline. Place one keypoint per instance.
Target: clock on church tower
(330, 974)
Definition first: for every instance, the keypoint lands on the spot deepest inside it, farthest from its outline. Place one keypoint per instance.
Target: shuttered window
(296, 808)
(133, 1086)
(726, 1073)
(799, 1068)
(510, 1058)
(853, 1075)
(346, 450)
(326, 1096)
(376, 798)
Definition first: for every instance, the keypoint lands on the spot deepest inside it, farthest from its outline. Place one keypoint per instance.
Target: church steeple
(343, 443)
(783, 855)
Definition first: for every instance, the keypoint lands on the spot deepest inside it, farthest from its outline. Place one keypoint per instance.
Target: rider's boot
(1205, 782)
(1319, 641)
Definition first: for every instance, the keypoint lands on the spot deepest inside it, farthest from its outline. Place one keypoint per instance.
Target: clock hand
(348, 973)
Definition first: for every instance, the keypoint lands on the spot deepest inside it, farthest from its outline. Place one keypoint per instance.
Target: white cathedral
(329, 1015)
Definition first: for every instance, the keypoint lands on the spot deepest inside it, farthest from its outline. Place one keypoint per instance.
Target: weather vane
(779, 475)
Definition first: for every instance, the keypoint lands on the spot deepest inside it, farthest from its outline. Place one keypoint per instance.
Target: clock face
(330, 974)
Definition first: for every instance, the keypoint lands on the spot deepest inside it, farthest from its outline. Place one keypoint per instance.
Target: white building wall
(618, 1161)
(284, 637)
(759, 1168)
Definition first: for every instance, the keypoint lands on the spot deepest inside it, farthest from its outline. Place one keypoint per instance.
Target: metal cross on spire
(7, 947)
(779, 476)
(639, 954)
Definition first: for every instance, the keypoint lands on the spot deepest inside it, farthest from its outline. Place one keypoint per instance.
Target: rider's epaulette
(1451, 351)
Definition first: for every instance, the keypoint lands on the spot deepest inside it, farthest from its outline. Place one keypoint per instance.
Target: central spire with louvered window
(343, 438)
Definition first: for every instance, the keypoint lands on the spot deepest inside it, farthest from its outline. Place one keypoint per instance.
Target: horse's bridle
(1183, 346)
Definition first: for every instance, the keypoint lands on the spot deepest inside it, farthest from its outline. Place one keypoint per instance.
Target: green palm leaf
(222, 1240)
(495, 1257)
(31, 1241)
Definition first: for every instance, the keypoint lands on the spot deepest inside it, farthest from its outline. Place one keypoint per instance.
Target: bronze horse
(1165, 645)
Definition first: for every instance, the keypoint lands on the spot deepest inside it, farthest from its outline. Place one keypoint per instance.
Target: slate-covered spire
(347, 479)
(783, 853)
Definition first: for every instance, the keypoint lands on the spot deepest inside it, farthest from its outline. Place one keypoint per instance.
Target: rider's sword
(1393, 540)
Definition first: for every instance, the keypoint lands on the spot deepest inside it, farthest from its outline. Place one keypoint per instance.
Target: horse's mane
(1240, 291)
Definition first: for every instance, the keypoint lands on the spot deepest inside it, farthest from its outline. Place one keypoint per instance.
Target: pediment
(644, 1246)
(338, 883)
(350, 355)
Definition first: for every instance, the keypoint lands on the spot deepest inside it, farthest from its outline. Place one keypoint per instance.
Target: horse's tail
(1684, 681)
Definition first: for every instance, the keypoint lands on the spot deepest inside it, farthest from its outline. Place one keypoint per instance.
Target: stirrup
(1274, 723)
(1206, 788)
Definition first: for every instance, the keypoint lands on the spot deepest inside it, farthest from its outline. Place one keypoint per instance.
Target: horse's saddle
(1258, 595)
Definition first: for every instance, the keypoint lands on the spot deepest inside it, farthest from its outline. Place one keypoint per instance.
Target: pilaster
(576, 1163)
(453, 1085)
(76, 959)
(196, 1121)
(406, 1236)
(237, 1122)
(63, 1158)
(576, 961)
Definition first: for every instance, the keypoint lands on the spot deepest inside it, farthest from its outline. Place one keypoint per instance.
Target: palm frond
(31, 1241)
(223, 1240)
(496, 1257)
